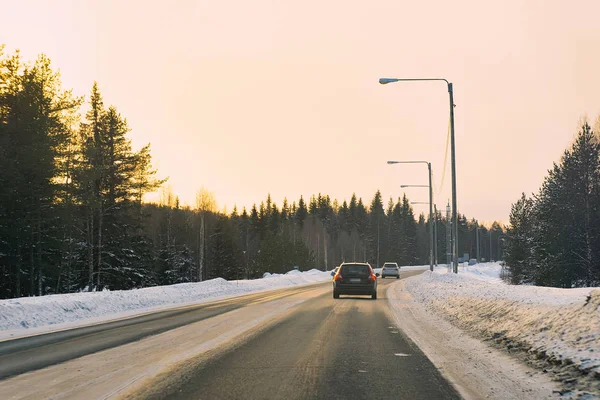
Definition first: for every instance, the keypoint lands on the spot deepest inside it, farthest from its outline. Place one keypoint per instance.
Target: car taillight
(338, 277)
(372, 278)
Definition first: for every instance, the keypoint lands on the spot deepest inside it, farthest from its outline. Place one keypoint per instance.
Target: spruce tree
(223, 263)
(422, 240)
(519, 250)
(376, 237)
(567, 207)
(409, 228)
(35, 126)
(301, 213)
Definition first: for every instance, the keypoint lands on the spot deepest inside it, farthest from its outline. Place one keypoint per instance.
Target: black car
(355, 278)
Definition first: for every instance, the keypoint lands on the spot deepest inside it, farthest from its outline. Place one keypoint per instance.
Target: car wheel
(397, 276)
(374, 296)
(336, 295)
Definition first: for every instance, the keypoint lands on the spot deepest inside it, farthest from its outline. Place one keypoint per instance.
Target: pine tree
(409, 228)
(275, 220)
(422, 240)
(375, 236)
(87, 177)
(112, 180)
(285, 218)
(223, 261)
(253, 243)
(34, 116)
(352, 213)
(118, 260)
(301, 213)
(313, 205)
(567, 207)
(362, 226)
(519, 250)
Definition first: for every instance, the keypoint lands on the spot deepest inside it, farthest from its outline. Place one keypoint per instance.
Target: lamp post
(435, 236)
(385, 81)
(491, 230)
(500, 239)
(477, 239)
(433, 233)
(430, 206)
(448, 231)
(432, 219)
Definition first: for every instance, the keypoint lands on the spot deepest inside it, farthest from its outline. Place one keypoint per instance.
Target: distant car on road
(355, 278)
(390, 269)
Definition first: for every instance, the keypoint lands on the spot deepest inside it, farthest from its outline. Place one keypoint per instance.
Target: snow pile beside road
(561, 326)
(414, 268)
(27, 315)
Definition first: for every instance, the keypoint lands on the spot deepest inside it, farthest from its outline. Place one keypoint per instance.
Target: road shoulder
(474, 368)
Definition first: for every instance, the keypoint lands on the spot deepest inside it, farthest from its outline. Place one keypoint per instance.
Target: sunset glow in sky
(247, 98)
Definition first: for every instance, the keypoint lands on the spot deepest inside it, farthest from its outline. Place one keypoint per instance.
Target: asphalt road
(326, 349)
(18, 356)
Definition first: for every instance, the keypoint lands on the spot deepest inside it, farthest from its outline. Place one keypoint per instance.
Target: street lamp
(500, 239)
(435, 250)
(430, 205)
(435, 237)
(477, 239)
(491, 231)
(385, 81)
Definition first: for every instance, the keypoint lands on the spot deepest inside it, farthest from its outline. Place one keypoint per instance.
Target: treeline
(554, 235)
(72, 215)
(318, 233)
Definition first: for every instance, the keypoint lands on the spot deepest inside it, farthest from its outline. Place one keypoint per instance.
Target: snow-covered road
(35, 315)
(447, 315)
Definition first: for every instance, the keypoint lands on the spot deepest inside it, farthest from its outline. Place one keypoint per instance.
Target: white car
(390, 269)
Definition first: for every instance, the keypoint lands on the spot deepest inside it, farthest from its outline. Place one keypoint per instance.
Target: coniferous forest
(554, 235)
(72, 215)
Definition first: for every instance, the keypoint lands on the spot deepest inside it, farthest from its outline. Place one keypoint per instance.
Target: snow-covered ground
(560, 326)
(31, 315)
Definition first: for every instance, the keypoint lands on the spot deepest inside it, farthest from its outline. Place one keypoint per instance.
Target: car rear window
(390, 265)
(355, 270)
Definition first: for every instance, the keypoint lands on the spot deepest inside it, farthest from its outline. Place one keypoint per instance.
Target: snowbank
(29, 315)
(559, 325)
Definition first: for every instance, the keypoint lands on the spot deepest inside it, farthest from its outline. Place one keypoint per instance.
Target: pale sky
(247, 98)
